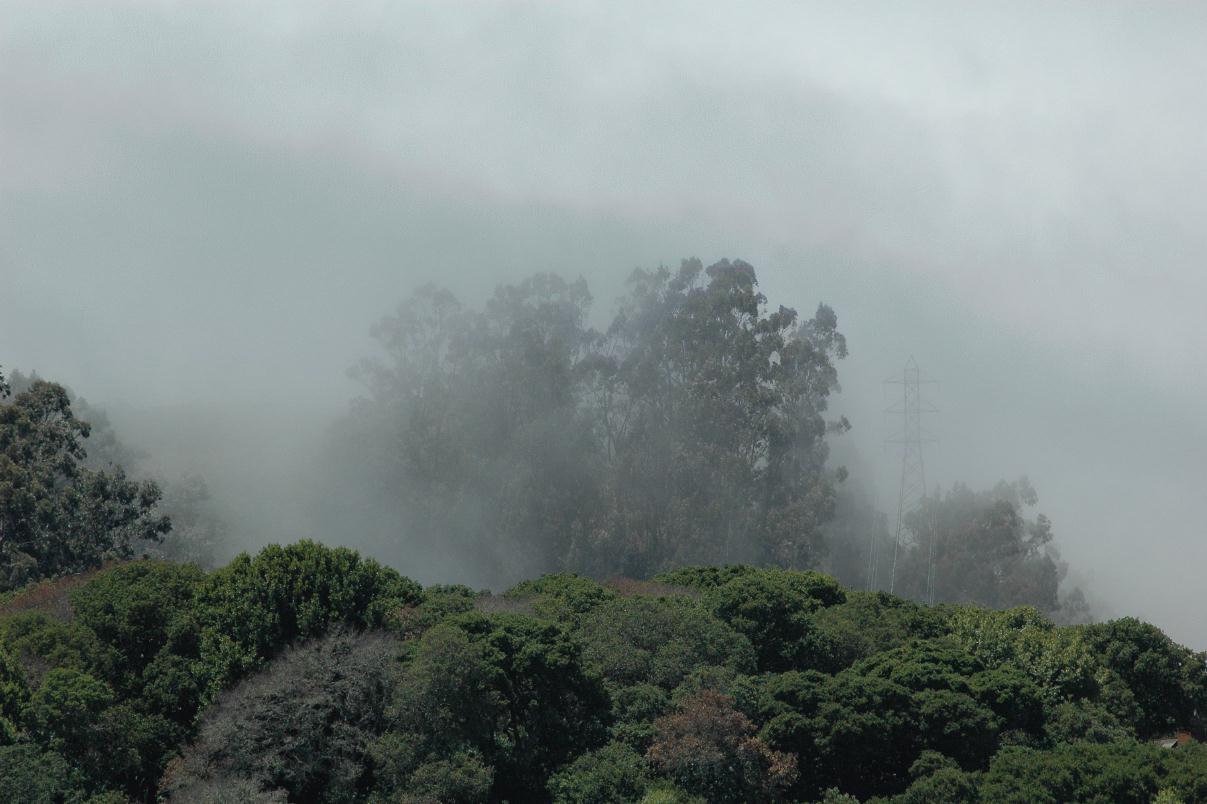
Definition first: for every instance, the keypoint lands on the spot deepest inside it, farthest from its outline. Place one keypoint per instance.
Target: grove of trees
(516, 439)
(989, 551)
(692, 429)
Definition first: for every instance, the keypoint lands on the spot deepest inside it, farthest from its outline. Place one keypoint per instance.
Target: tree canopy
(309, 673)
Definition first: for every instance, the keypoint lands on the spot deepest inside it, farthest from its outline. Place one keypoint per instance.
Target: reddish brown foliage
(497, 604)
(406, 621)
(709, 748)
(628, 587)
(51, 596)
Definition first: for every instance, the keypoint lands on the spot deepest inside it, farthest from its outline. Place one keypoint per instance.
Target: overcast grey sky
(211, 201)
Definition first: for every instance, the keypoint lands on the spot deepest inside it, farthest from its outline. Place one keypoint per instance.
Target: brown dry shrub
(51, 596)
(630, 587)
(497, 604)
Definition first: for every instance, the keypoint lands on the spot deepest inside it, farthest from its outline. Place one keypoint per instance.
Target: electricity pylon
(912, 437)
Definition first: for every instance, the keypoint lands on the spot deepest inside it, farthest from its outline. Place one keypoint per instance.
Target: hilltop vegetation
(307, 673)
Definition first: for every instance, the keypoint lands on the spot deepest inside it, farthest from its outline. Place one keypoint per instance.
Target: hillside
(307, 673)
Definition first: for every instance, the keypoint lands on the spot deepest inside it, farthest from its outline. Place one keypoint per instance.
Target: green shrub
(612, 774)
(773, 609)
(33, 776)
(253, 607)
(564, 596)
(658, 641)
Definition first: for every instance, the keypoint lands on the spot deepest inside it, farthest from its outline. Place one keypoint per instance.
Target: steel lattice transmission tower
(912, 436)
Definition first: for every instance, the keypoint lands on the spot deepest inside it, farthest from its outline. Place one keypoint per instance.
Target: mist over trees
(499, 443)
(68, 502)
(516, 439)
(991, 548)
(691, 430)
(988, 551)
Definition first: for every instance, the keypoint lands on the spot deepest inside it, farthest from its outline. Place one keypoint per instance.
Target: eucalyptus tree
(56, 514)
(692, 430)
(712, 413)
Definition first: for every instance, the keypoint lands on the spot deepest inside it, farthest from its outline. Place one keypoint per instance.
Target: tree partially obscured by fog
(989, 550)
(516, 438)
(190, 527)
(58, 515)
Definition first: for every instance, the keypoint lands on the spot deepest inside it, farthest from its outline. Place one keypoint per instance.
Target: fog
(205, 206)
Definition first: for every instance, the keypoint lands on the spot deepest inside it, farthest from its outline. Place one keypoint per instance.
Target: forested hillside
(309, 674)
(598, 402)
(665, 487)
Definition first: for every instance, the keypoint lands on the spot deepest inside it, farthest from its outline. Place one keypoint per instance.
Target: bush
(867, 623)
(635, 709)
(565, 596)
(461, 779)
(1124, 772)
(773, 609)
(438, 603)
(614, 773)
(63, 713)
(1167, 681)
(140, 609)
(948, 785)
(705, 578)
(40, 643)
(304, 726)
(253, 607)
(13, 697)
(554, 708)
(33, 776)
(658, 641)
(708, 748)
(446, 699)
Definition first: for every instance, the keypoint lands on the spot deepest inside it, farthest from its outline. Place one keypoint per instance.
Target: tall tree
(57, 515)
(712, 413)
(473, 427)
(988, 551)
(199, 533)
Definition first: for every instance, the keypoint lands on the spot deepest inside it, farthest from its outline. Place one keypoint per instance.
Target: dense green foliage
(308, 673)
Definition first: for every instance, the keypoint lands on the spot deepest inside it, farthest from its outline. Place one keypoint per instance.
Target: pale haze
(204, 207)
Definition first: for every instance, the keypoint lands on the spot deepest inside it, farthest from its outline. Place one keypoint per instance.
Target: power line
(873, 533)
